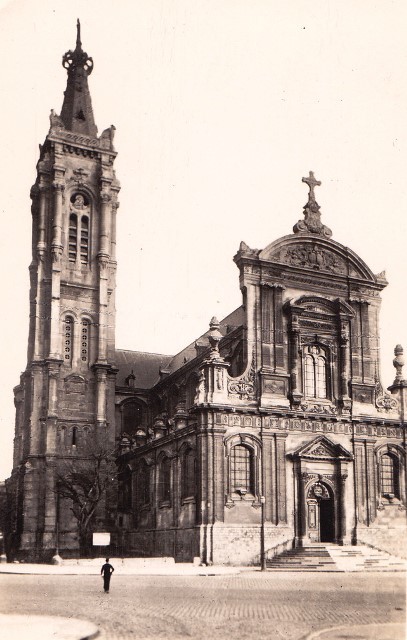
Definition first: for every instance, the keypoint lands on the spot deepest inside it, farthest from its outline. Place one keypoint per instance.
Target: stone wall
(240, 545)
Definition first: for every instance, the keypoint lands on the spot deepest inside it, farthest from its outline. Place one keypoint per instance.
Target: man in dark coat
(106, 572)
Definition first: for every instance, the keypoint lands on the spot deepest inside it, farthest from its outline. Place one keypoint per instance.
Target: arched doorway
(321, 513)
(326, 520)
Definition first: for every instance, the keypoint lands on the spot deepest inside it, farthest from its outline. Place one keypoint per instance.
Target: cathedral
(271, 431)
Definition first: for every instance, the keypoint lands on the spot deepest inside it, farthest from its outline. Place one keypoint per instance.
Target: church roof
(232, 321)
(144, 366)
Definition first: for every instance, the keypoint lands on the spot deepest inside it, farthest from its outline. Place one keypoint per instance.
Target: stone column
(296, 394)
(101, 379)
(268, 476)
(303, 479)
(53, 377)
(278, 327)
(370, 479)
(342, 509)
(360, 481)
(281, 488)
(218, 474)
(176, 490)
(40, 251)
(56, 254)
(344, 367)
(103, 260)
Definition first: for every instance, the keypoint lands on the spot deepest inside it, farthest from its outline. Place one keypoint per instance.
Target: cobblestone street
(250, 605)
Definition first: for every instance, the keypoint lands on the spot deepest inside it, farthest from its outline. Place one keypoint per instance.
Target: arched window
(73, 237)
(389, 475)
(165, 480)
(242, 470)
(74, 436)
(79, 229)
(188, 482)
(143, 484)
(85, 341)
(125, 490)
(68, 339)
(84, 239)
(132, 417)
(315, 372)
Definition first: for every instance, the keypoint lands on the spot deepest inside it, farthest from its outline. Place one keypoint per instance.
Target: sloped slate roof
(233, 320)
(145, 366)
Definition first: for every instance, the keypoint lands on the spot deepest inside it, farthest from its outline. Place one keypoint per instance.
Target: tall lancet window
(79, 229)
(84, 239)
(73, 237)
(315, 372)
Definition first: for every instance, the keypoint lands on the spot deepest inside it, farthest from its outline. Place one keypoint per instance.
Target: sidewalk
(126, 566)
(386, 631)
(16, 627)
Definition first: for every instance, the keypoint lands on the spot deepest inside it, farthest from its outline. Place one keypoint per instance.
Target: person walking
(106, 572)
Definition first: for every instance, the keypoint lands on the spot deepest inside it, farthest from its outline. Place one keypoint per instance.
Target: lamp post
(262, 542)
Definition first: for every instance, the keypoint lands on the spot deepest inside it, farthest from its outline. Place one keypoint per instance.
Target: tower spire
(77, 113)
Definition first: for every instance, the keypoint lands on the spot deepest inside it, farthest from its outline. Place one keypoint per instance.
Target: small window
(242, 470)
(189, 474)
(389, 475)
(68, 339)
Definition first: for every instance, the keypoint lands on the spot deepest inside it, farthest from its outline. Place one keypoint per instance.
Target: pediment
(317, 254)
(321, 448)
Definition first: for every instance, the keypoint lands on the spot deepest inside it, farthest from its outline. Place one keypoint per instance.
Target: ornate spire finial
(78, 34)
(312, 220)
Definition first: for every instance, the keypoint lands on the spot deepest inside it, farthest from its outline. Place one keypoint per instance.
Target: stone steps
(332, 557)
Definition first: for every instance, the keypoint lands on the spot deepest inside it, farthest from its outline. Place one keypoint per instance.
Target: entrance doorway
(326, 520)
(320, 513)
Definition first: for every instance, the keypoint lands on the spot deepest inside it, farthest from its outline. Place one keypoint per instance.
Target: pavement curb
(25, 627)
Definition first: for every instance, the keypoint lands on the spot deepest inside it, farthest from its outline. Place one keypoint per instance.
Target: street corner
(386, 631)
(33, 627)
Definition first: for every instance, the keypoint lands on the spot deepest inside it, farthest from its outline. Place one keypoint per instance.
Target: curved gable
(317, 254)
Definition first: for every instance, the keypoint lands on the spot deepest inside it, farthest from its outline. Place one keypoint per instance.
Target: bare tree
(85, 481)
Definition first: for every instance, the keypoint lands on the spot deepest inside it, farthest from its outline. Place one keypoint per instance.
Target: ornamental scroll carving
(384, 401)
(243, 387)
(312, 256)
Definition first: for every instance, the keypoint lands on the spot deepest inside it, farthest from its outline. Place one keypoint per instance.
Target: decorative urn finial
(398, 363)
(312, 217)
(214, 337)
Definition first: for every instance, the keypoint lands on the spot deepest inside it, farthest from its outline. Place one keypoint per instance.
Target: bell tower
(65, 399)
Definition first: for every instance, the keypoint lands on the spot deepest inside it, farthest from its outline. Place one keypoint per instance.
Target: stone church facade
(271, 430)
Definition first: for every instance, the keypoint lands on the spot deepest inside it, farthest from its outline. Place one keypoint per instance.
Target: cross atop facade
(312, 183)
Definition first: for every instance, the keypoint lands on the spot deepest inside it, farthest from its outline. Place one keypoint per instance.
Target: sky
(220, 108)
